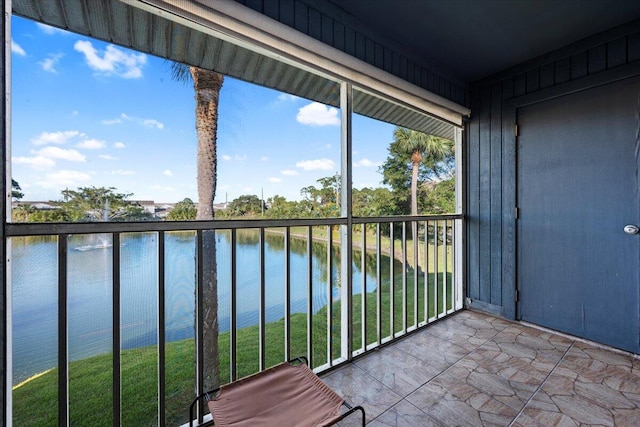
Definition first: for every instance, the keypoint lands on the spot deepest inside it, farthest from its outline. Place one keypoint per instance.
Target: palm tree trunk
(415, 159)
(207, 85)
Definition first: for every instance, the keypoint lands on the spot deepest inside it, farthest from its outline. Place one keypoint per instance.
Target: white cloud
(107, 157)
(75, 113)
(264, 159)
(122, 172)
(92, 144)
(119, 145)
(226, 157)
(289, 172)
(247, 189)
(152, 123)
(112, 61)
(316, 114)
(317, 164)
(241, 158)
(62, 154)
(60, 138)
(64, 178)
(49, 64)
(37, 162)
(47, 29)
(366, 163)
(274, 179)
(167, 172)
(17, 49)
(287, 97)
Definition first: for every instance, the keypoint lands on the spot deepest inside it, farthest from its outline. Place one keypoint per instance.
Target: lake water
(34, 277)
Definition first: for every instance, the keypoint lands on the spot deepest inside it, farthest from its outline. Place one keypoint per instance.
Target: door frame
(510, 279)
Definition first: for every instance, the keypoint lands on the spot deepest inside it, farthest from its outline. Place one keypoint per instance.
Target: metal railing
(405, 272)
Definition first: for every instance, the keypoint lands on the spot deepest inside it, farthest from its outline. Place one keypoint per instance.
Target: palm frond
(180, 72)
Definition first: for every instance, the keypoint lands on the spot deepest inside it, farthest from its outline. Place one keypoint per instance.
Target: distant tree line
(418, 175)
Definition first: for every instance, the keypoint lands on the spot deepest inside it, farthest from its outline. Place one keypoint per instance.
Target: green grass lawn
(90, 379)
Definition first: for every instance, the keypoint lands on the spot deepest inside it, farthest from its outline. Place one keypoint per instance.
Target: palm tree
(420, 145)
(206, 85)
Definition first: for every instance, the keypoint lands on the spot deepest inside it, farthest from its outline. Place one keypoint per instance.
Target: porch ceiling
(472, 39)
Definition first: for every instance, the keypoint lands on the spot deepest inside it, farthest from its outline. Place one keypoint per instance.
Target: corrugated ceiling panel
(75, 13)
(140, 29)
(121, 24)
(179, 42)
(377, 108)
(195, 48)
(27, 8)
(160, 36)
(51, 12)
(131, 27)
(97, 13)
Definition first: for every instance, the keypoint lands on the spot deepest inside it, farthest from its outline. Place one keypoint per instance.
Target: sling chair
(286, 395)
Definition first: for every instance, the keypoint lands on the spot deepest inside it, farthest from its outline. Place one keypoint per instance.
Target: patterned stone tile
(468, 329)
(463, 397)
(472, 369)
(398, 370)
(432, 349)
(357, 387)
(590, 386)
(404, 414)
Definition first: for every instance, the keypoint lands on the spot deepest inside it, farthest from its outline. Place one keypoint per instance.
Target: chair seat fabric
(282, 396)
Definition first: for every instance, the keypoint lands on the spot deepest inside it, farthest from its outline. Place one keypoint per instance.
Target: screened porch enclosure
(425, 320)
(119, 312)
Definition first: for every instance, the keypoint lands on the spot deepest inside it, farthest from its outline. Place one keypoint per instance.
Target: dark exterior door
(577, 170)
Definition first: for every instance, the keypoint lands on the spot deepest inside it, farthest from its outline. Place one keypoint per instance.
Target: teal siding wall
(325, 22)
(491, 156)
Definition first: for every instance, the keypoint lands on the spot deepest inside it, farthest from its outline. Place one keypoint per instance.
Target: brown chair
(286, 395)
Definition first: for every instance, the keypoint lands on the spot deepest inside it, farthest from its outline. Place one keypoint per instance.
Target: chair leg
(351, 410)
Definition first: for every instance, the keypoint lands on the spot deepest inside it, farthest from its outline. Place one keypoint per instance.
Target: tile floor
(473, 369)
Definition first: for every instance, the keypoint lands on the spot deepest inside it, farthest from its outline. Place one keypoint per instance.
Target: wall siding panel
(485, 194)
(491, 153)
(473, 203)
(617, 53)
(633, 47)
(597, 59)
(329, 24)
(495, 202)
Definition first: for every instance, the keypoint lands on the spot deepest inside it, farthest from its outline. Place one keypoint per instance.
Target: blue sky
(87, 113)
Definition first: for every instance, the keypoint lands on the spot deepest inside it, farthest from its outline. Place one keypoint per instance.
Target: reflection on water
(34, 276)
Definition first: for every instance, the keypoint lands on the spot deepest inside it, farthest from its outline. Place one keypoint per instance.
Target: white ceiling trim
(232, 22)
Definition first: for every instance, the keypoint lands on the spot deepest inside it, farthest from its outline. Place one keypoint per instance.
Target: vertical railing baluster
(454, 264)
(287, 293)
(379, 286)
(445, 268)
(426, 272)
(392, 284)
(161, 330)
(200, 320)
(233, 321)
(416, 270)
(363, 267)
(436, 269)
(310, 295)
(63, 331)
(261, 313)
(329, 297)
(117, 391)
(405, 267)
